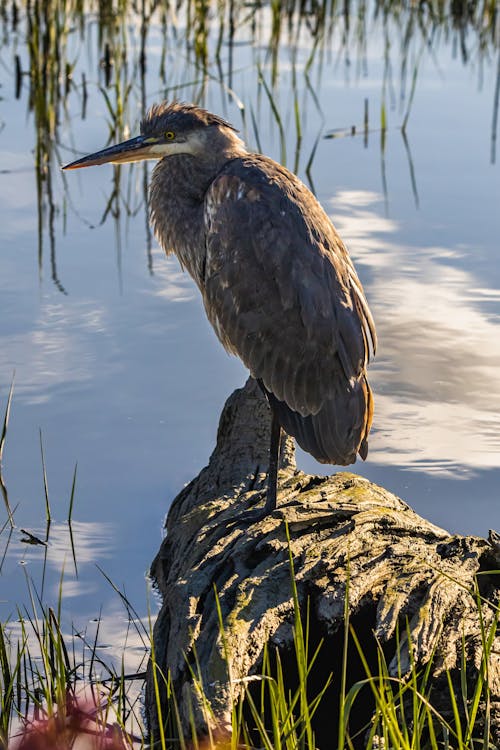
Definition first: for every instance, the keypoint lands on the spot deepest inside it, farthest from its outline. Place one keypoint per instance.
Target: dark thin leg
(272, 473)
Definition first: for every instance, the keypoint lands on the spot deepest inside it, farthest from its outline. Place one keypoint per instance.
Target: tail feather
(338, 432)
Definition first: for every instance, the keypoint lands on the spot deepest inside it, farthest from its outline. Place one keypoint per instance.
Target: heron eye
(170, 135)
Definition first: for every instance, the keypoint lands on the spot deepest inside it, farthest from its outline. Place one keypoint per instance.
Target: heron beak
(136, 149)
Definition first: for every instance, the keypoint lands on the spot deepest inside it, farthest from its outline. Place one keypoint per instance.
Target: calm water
(115, 362)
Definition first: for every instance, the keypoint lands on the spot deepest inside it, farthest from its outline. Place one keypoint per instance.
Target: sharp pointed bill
(136, 149)
(276, 279)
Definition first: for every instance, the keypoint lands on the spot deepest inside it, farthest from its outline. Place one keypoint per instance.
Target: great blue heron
(277, 283)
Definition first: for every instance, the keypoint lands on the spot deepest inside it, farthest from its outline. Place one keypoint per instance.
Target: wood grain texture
(403, 572)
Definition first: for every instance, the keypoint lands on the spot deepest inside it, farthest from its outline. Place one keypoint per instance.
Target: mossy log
(412, 588)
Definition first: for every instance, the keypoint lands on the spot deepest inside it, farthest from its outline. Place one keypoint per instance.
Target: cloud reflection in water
(170, 282)
(55, 351)
(437, 373)
(68, 549)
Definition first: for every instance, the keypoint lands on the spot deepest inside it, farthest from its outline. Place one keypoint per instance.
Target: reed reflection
(180, 50)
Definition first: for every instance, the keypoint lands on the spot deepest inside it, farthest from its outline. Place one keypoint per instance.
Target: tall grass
(49, 681)
(54, 686)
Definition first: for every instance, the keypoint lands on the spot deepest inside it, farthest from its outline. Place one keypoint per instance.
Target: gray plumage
(277, 282)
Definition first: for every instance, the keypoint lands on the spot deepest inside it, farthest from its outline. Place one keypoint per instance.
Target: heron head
(168, 129)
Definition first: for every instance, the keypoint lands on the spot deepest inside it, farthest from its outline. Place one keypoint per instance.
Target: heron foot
(258, 514)
(254, 515)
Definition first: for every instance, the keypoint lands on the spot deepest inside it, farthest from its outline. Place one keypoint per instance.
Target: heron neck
(177, 194)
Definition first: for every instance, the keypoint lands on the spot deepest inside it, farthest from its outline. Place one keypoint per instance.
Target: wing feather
(282, 293)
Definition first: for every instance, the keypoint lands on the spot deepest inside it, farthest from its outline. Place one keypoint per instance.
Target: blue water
(117, 366)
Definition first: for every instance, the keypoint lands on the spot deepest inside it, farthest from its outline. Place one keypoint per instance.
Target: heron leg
(272, 472)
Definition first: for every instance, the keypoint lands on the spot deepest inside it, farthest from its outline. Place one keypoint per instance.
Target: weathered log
(410, 584)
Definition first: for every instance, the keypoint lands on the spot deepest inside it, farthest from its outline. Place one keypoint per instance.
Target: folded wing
(282, 293)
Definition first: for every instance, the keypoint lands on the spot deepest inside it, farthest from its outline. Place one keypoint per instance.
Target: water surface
(114, 360)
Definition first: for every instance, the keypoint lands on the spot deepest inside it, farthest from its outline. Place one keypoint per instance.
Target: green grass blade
(48, 515)
(3, 436)
(72, 496)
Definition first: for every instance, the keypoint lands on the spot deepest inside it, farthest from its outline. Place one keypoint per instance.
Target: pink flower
(81, 726)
